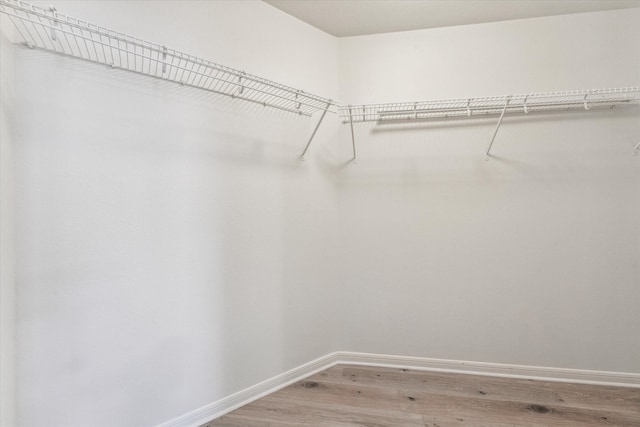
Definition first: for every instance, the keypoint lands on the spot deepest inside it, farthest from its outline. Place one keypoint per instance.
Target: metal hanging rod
(495, 105)
(50, 30)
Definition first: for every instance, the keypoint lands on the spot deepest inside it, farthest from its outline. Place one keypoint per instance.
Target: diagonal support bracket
(493, 138)
(636, 149)
(353, 139)
(324, 113)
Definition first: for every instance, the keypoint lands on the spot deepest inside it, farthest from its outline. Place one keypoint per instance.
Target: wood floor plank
(480, 412)
(450, 407)
(512, 389)
(279, 409)
(366, 396)
(234, 420)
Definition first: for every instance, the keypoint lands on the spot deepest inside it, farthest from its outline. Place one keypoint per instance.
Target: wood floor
(365, 396)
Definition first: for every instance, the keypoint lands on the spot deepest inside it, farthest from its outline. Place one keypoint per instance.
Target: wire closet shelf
(45, 28)
(494, 105)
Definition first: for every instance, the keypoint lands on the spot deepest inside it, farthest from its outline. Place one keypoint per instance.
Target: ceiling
(343, 18)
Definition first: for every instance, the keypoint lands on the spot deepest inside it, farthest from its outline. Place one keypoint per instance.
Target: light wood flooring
(366, 396)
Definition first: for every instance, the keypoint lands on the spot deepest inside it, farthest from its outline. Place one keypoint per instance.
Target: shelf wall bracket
(54, 24)
(298, 105)
(636, 149)
(324, 113)
(353, 139)
(240, 85)
(495, 132)
(164, 59)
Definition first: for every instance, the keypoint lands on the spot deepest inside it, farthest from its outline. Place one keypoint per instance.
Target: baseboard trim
(618, 379)
(225, 405)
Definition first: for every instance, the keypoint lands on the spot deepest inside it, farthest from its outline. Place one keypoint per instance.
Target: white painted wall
(7, 277)
(172, 248)
(530, 258)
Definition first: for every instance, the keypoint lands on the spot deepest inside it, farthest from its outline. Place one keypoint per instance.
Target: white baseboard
(225, 405)
(492, 369)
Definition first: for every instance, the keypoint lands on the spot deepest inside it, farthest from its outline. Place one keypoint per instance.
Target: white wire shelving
(467, 108)
(47, 29)
(494, 105)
